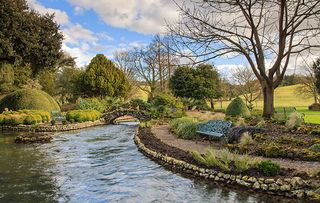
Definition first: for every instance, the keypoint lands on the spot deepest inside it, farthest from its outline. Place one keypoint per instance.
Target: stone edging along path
(289, 187)
(52, 128)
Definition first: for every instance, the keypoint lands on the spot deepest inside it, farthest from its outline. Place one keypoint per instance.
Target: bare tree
(309, 83)
(266, 33)
(124, 62)
(150, 66)
(247, 85)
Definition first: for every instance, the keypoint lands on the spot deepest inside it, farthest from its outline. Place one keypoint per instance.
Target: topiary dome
(237, 108)
(29, 99)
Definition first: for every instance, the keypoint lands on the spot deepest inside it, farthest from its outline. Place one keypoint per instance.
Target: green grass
(310, 116)
(288, 97)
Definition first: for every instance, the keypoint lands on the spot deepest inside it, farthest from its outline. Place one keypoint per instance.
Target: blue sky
(106, 26)
(87, 32)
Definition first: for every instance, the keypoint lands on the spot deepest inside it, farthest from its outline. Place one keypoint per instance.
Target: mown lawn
(310, 116)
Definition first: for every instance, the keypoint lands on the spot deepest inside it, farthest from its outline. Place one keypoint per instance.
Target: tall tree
(153, 65)
(69, 83)
(267, 34)
(200, 83)
(316, 70)
(28, 37)
(103, 78)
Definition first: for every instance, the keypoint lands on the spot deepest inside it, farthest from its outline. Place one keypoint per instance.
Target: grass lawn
(310, 116)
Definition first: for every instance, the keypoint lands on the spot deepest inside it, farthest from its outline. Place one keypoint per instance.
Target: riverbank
(52, 128)
(180, 160)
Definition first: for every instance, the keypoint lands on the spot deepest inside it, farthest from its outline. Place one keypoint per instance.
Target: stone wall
(289, 187)
(52, 128)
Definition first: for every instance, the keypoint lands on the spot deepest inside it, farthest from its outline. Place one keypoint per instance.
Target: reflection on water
(98, 165)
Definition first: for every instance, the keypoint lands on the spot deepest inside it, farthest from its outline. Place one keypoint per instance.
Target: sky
(105, 26)
(93, 27)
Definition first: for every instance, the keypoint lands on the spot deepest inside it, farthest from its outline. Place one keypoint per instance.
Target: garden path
(163, 133)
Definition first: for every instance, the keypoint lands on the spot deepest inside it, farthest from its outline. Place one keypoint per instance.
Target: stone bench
(214, 128)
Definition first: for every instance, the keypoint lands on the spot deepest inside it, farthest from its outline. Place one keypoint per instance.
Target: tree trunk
(268, 101)
(212, 103)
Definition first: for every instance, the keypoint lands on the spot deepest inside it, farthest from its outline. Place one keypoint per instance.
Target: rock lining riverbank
(52, 128)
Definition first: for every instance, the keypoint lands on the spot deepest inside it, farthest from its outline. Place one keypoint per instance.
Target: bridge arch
(111, 116)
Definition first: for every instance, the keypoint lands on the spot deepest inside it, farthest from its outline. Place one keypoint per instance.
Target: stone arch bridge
(111, 116)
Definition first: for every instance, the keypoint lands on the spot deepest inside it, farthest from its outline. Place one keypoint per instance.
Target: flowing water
(99, 164)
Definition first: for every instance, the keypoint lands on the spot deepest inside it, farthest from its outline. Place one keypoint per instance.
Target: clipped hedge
(237, 108)
(27, 117)
(82, 115)
(29, 99)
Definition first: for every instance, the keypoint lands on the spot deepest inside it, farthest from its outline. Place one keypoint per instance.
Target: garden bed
(182, 161)
(278, 142)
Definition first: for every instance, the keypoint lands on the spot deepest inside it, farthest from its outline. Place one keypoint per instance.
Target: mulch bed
(155, 144)
(292, 144)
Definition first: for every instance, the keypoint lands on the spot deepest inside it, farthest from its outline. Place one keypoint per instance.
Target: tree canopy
(103, 78)
(28, 37)
(198, 83)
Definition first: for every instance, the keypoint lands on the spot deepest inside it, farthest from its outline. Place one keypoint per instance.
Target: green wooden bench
(214, 128)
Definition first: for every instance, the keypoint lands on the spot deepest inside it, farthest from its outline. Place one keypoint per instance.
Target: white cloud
(61, 17)
(104, 35)
(144, 16)
(74, 34)
(78, 10)
(79, 42)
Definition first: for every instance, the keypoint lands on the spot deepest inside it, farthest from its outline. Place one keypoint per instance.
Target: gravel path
(163, 133)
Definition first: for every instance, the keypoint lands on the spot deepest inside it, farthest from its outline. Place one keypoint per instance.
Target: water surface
(99, 164)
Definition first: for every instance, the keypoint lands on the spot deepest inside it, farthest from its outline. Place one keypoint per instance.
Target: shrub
(32, 119)
(295, 120)
(187, 131)
(241, 122)
(271, 149)
(45, 115)
(237, 108)
(210, 159)
(29, 99)
(243, 163)
(261, 124)
(245, 140)
(82, 115)
(166, 106)
(145, 124)
(139, 104)
(28, 117)
(315, 148)
(185, 127)
(223, 160)
(269, 168)
(91, 103)
(113, 103)
(174, 124)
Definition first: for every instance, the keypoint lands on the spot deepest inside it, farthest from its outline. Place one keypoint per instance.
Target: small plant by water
(226, 160)
(269, 168)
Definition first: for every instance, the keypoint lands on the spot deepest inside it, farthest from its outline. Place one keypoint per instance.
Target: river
(100, 164)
